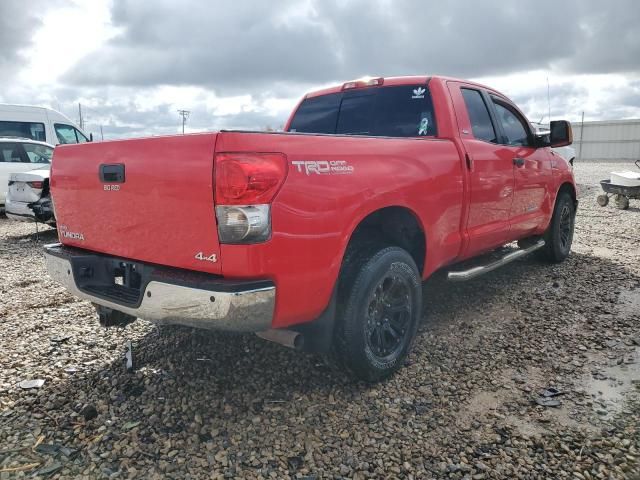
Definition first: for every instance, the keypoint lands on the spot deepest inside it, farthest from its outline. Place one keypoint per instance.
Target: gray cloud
(240, 45)
(279, 52)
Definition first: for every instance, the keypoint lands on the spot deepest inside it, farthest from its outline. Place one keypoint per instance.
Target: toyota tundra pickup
(318, 237)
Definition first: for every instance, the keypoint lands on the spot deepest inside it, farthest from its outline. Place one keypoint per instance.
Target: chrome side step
(481, 270)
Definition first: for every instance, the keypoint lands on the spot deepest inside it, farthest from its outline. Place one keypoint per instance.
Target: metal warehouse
(616, 140)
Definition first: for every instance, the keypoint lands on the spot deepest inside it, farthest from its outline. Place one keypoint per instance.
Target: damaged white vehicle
(24, 180)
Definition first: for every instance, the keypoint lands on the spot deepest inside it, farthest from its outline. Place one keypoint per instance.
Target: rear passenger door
(489, 170)
(531, 207)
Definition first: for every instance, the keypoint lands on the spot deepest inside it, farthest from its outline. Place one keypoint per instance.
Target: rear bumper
(19, 211)
(163, 295)
(40, 211)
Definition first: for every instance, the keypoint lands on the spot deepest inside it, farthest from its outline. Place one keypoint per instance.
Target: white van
(39, 123)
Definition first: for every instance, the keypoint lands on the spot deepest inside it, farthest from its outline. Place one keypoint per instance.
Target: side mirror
(561, 133)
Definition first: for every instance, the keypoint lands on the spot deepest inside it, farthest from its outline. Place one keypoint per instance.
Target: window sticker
(419, 92)
(423, 127)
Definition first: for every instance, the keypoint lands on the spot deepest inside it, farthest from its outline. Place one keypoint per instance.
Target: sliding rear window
(398, 111)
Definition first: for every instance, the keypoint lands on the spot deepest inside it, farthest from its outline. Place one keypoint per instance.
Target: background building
(616, 140)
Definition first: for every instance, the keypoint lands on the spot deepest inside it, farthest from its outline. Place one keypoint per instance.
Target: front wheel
(603, 200)
(559, 235)
(381, 307)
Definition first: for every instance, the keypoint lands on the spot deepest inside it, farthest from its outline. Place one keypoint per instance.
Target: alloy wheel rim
(388, 317)
(566, 223)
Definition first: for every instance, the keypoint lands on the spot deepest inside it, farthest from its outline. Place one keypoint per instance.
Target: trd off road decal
(323, 167)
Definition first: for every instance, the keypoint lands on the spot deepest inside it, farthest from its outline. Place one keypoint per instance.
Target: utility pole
(80, 116)
(184, 114)
(101, 134)
(581, 135)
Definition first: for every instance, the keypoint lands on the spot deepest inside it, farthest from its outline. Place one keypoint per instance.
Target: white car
(29, 199)
(567, 152)
(21, 155)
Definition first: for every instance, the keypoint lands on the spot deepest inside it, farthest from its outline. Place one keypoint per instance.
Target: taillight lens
(246, 224)
(248, 178)
(245, 184)
(37, 184)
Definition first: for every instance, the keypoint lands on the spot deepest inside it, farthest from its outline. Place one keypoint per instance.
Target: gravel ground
(208, 405)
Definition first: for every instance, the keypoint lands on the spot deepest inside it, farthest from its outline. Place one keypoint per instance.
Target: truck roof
(406, 80)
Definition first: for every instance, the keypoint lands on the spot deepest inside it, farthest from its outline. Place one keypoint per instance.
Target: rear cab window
(393, 111)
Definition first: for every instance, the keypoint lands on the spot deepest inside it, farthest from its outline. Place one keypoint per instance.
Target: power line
(184, 114)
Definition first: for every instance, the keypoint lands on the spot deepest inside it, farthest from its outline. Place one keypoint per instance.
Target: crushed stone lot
(211, 405)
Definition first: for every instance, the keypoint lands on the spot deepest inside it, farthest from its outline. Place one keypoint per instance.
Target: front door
(531, 208)
(490, 173)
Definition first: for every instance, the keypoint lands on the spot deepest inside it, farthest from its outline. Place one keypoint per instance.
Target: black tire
(559, 235)
(622, 202)
(380, 306)
(603, 200)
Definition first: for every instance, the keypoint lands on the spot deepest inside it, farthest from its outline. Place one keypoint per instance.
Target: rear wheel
(559, 236)
(622, 202)
(380, 308)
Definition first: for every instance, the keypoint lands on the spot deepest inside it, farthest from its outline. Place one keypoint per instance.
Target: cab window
(481, 124)
(11, 152)
(38, 153)
(514, 129)
(32, 130)
(393, 111)
(69, 134)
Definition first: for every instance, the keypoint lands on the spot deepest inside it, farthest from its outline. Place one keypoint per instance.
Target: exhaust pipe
(288, 338)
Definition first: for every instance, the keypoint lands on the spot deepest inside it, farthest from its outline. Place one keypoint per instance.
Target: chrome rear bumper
(163, 295)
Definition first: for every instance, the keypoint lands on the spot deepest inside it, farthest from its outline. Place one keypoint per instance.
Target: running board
(481, 270)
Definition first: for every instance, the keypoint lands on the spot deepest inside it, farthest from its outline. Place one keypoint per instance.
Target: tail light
(245, 185)
(37, 184)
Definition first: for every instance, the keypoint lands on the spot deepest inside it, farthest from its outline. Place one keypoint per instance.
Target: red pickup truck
(317, 237)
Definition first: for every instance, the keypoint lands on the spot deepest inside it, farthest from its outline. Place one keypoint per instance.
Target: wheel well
(568, 187)
(397, 226)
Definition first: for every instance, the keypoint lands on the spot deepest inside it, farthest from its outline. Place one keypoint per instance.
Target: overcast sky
(245, 64)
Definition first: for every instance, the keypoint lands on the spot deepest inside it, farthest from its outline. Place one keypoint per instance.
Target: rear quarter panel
(313, 215)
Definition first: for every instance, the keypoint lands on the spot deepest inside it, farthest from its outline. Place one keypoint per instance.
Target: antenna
(184, 114)
(549, 100)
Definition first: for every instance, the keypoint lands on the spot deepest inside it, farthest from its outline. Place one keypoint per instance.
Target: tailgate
(160, 210)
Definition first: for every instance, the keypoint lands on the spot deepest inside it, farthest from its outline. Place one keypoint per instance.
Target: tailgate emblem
(64, 232)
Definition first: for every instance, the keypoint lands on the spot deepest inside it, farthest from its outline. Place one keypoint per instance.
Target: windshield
(398, 111)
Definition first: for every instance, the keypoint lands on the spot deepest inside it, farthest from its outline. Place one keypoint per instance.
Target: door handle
(113, 173)
(518, 162)
(469, 162)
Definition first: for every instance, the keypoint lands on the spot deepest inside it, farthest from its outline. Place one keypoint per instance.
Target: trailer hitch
(113, 318)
